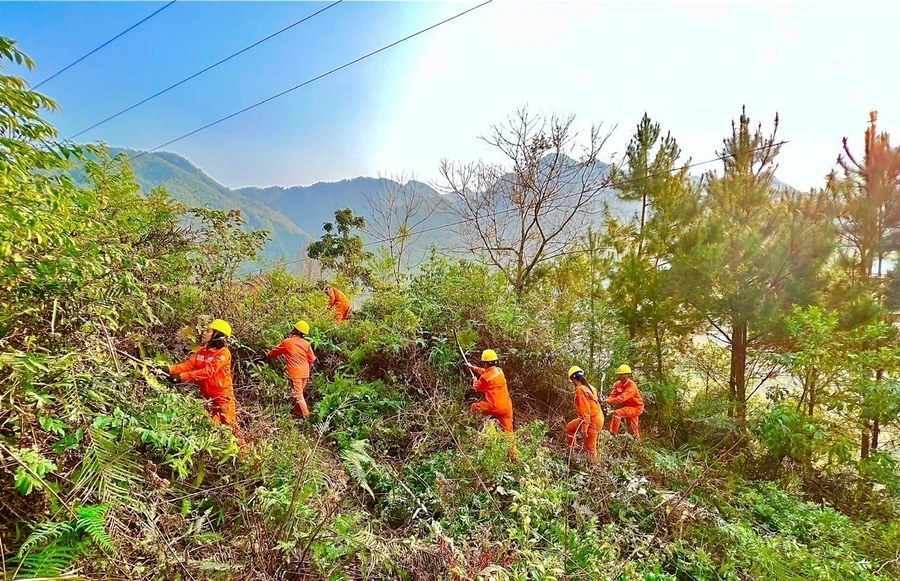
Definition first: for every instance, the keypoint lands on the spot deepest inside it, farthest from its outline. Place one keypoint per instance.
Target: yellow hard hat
(303, 327)
(623, 369)
(221, 326)
(574, 370)
(489, 356)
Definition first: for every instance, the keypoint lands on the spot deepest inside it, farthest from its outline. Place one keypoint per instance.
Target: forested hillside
(188, 184)
(290, 215)
(759, 325)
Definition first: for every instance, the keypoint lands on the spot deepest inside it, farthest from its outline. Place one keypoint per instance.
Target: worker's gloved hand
(174, 377)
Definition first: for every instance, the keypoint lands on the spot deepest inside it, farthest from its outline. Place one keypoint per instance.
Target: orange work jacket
(492, 383)
(587, 406)
(337, 298)
(211, 369)
(297, 353)
(626, 395)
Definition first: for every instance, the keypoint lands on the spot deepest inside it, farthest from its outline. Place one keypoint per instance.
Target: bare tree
(309, 268)
(396, 214)
(529, 209)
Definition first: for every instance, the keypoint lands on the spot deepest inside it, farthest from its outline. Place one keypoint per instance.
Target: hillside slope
(311, 206)
(190, 185)
(295, 214)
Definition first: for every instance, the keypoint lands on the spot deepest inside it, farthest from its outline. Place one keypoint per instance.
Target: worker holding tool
(210, 368)
(590, 417)
(298, 355)
(625, 394)
(492, 383)
(339, 302)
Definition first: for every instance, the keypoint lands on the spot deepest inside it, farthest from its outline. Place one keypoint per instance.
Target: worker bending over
(492, 383)
(590, 418)
(625, 394)
(210, 368)
(339, 302)
(298, 355)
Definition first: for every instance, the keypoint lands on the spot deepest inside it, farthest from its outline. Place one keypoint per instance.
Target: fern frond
(49, 561)
(358, 463)
(92, 520)
(53, 547)
(44, 533)
(105, 469)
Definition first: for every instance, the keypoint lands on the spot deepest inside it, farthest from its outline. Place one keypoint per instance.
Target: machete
(463, 354)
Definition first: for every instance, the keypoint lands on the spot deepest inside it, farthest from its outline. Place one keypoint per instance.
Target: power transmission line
(127, 30)
(209, 68)
(508, 210)
(313, 80)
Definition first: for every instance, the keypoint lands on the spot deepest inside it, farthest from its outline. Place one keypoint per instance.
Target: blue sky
(320, 132)
(822, 66)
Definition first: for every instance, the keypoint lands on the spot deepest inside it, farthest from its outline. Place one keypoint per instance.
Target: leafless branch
(396, 213)
(520, 214)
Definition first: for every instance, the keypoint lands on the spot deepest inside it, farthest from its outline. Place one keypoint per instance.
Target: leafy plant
(53, 547)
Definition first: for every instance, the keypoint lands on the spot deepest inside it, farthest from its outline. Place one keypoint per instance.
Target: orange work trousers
(299, 386)
(505, 417)
(591, 430)
(341, 312)
(631, 415)
(223, 410)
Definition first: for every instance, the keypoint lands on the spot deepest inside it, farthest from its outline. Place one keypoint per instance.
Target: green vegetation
(189, 185)
(766, 452)
(292, 216)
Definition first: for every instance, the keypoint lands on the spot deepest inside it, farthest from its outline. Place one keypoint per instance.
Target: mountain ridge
(295, 214)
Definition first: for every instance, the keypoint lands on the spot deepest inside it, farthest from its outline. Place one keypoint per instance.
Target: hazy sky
(822, 66)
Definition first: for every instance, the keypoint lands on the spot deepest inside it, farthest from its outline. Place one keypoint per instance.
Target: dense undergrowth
(109, 474)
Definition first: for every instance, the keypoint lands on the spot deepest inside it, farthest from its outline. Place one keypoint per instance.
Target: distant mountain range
(190, 185)
(295, 215)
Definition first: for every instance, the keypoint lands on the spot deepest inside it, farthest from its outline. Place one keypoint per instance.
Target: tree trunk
(738, 378)
(864, 442)
(657, 335)
(519, 287)
(812, 398)
(643, 221)
(876, 430)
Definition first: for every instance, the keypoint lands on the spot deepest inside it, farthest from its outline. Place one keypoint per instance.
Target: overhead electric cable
(209, 68)
(313, 80)
(127, 30)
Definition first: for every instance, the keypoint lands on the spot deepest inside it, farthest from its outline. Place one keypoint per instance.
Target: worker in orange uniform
(625, 394)
(339, 302)
(590, 418)
(210, 368)
(298, 354)
(492, 383)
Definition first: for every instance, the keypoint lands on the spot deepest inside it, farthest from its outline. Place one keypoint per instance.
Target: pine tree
(755, 252)
(668, 200)
(867, 192)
